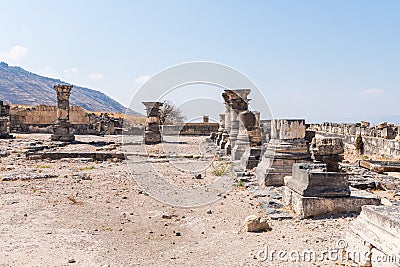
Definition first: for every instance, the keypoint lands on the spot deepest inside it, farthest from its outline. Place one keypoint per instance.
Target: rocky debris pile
(362, 178)
(26, 175)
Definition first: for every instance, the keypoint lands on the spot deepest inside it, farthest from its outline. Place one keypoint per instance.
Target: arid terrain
(92, 213)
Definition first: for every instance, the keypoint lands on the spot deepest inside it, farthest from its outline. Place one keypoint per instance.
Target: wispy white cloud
(70, 72)
(373, 91)
(14, 54)
(47, 72)
(142, 79)
(96, 76)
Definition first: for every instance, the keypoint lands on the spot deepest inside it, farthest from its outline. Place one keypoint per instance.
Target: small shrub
(219, 168)
(43, 166)
(87, 168)
(240, 184)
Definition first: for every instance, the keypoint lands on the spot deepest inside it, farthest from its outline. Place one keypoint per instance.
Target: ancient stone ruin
(152, 134)
(374, 237)
(62, 131)
(4, 121)
(328, 150)
(286, 147)
(314, 191)
(238, 102)
(248, 145)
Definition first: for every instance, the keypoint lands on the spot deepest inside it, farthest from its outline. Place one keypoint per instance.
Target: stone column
(62, 131)
(227, 127)
(286, 147)
(221, 129)
(238, 103)
(4, 121)
(152, 134)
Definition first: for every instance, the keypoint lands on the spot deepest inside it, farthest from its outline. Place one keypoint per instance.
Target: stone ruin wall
(381, 140)
(202, 128)
(47, 115)
(42, 118)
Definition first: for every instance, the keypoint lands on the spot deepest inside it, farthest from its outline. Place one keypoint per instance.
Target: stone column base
(152, 138)
(62, 137)
(306, 207)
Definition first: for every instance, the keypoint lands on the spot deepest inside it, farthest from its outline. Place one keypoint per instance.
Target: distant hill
(18, 86)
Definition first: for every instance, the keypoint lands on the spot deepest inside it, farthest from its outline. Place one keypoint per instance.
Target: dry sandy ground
(104, 218)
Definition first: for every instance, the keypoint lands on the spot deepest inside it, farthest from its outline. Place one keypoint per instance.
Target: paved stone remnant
(286, 147)
(4, 121)
(373, 239)
(380, 166)
(62, 130)
(238, 102)
(152, 134)
(313, 191)
(254, 223)
(328, 150)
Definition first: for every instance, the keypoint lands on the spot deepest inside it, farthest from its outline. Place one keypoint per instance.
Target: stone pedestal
(313, 180)
(152, 134)
(286, 147)
(328, 150)
(373, 238)
(62, 130)
(249, 136)
(312, 191)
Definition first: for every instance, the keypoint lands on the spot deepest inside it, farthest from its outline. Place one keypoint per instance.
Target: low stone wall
(43, 114)
(373, 146)
(190, 129)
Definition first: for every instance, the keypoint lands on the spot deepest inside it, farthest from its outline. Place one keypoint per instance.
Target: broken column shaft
(152, 134)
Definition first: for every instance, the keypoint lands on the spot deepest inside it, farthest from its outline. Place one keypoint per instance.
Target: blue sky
(319, 60)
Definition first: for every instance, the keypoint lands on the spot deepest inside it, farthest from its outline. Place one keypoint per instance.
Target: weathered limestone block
(254, 223)
(62, 131)
(305, 207)
(152, 134)
(286, 147)
(328, 150)
(376, 234)
(313, 180)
